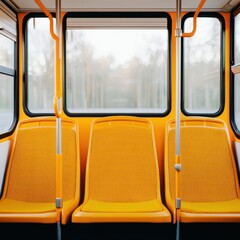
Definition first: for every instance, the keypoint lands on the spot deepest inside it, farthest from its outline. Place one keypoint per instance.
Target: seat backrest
(208, 166)
(122, 161)
(31, 174)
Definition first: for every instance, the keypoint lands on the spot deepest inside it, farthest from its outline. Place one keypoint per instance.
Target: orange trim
(190, 34)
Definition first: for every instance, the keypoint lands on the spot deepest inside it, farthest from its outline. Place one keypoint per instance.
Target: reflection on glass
(6, 52)
(40, 66)
(117, 70)
(202, 66)
(237, 100)
(6, 103)
(237, 39)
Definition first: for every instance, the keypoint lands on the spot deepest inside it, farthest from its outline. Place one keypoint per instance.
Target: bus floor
(119, 231)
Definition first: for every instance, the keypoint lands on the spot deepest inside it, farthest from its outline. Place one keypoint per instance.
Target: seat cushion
(232, 206)
(97, 211)
(19, 211)
(99, 206)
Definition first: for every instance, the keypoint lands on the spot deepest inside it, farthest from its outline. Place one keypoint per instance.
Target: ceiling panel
(170, 5)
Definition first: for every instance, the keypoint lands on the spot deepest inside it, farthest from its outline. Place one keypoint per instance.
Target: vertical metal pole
(178, 93)
(59, 231)
(178, 76)
(58, 16)
(58, 26)
(58, 119)
(178, 109)
(59, 135)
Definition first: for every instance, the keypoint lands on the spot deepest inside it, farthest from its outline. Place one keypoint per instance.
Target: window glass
(8, 36)
(7, 52)
(202, 67)
(40, 66)
(237, 76)
(117, 70)
(6, 103)
(237, 39)
(237, 100)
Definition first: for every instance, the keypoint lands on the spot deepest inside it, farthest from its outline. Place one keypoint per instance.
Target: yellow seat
(122, 176)
(209, 182)
(30, 185)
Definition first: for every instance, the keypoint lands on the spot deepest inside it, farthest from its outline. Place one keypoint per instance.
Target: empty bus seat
(122, 176)
(209, 183)
(30, 184)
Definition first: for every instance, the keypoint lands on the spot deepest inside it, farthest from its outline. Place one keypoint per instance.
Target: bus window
(202, 67)
(237, 76)
(237, 101)
(7, 69)
(7, 102)
(7, 52)
(237, 39)
(117, 65)
(39, 66)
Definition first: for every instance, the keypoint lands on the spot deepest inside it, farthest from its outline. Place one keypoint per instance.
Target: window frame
(12, 72)
(222, 65)
(120, 15)
(25, 61)
(235, 12)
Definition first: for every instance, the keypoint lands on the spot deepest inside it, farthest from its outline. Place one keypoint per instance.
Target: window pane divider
(7, 71)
